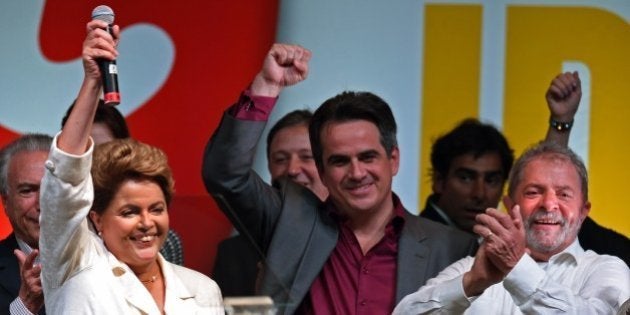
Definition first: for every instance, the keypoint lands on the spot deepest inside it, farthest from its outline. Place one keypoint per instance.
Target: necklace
(153, 279)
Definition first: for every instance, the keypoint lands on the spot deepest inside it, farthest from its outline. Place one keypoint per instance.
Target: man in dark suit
(360, 250)
(21, 170)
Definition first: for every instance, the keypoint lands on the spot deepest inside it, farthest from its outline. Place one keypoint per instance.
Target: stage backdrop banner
(435, 62)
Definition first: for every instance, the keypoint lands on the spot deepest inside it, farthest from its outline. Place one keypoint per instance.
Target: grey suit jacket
(293, 228)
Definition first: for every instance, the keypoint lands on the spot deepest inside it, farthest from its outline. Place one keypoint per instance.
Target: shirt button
(363, 303)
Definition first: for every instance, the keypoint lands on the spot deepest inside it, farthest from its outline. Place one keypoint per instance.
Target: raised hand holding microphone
(108, 67)
(98, 45)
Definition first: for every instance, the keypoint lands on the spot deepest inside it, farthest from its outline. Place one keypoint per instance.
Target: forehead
(347, 136)
(292, 137)
(146, 191)
(485, 163)
(551, 169)
(101, 133)
(27, 162)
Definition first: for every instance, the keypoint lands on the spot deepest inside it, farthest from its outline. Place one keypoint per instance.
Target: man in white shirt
(530, 261)
(21, 170)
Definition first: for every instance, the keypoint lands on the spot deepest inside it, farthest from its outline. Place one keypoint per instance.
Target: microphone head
(103, 13)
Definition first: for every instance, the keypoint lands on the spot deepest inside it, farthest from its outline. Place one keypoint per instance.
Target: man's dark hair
(470, 137)
(294, 118)
(107, 115)
(351, 106)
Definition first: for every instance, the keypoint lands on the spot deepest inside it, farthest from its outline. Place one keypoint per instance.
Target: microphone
(109, 70)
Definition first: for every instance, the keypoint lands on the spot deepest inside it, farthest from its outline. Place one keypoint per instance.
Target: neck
(147, 273)
(369, 227)
(540, 257)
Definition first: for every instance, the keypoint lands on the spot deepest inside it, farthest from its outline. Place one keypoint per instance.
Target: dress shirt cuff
(17, 307)
(252, 107)
(452, 295)
(523, 280)
(69, 168)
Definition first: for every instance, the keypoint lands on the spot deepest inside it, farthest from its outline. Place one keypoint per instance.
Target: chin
(544, 244)
(146, 255)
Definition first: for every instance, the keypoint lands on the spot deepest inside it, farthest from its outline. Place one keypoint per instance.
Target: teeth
(146, 238)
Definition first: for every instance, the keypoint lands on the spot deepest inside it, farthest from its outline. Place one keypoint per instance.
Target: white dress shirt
(80, 276)
(572, 282)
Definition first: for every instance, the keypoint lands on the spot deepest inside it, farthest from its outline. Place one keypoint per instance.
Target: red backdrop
(219, 46)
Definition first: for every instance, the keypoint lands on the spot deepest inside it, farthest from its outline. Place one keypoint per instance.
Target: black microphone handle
(109, 73)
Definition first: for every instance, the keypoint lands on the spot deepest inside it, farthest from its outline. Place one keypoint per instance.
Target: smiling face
(135, 223)
(21, 203)
(472, 185)
(356, 168)
(552, 205)
(290, 155)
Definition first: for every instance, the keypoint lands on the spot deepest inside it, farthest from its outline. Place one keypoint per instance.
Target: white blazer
(79, 274)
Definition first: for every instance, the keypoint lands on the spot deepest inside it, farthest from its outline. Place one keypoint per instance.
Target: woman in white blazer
(112, 264)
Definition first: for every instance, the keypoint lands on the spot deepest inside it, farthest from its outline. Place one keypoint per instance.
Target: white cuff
(17, 307)
(523, 280)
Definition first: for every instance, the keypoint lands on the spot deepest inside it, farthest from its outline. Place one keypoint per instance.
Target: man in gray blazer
(360, 250)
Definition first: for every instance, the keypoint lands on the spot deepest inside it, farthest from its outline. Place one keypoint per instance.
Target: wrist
(560, 125)
(261, 87)
(472, 285)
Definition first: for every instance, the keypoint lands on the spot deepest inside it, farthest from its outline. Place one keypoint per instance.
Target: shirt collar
(573, 252)
(441, 213)
(572, 255)
(25, 248)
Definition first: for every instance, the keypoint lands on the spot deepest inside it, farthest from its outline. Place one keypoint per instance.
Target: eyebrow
(27, 185)
(472, 171)
(362, 154)
(337, 157)
(369, 152)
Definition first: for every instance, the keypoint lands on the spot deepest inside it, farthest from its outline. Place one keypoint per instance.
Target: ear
(508, 203)
(437, 182)
(96, 220)
(585, 210)
(395, 160)
(4, 203)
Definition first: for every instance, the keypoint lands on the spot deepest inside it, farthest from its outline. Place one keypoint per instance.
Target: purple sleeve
(252, 107)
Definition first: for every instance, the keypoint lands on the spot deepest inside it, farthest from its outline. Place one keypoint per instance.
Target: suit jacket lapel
(132, 289)
(9, 268)
(413, 255)
(176, 299)
(303, 239)
(322, 242)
